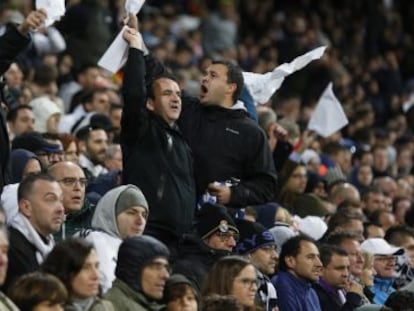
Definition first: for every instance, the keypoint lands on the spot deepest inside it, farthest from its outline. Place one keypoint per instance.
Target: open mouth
(203, 90)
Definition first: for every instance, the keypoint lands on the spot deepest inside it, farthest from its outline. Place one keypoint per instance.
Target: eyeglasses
(71, 181)
(159, 266)
(49, 154)
(385, 258)
(248, 283)
(225, 236)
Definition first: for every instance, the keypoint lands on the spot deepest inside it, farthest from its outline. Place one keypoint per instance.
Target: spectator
(40, 215)
(257, 244)
(122, 212)
(215, 236)
(233, 275)
(78, 211)
(141, 273)
(38, 291)
(334, 289)
(299, 267)
(180, 294)
(221, 303)
(70, 147)
(384, 264)
(401, 301)
(113, 159)
(20, 120)
(75, 263)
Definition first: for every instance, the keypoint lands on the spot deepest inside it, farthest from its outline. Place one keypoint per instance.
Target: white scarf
(22, 224)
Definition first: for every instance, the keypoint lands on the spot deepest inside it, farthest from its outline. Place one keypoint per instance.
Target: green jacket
(76, 221)
(125, 298)
(97, 305)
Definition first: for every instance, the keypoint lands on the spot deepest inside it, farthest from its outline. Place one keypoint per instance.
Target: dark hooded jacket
(134, 253)
(225, 144)
(11, 43)
(18, 160)
(156, 157)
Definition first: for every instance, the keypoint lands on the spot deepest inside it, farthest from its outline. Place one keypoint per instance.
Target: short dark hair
(13, 113)
(342, 218)
(396, 234)
(326, 252)
(234, 75)
(221, 302)
(291, 248)
(32, 289)
(337, 238)
(401, 300)
(151, 83)
(67, 259)
(26, 185)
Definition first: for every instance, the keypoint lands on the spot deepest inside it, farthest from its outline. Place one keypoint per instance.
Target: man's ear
(231, 88)
(25, 207)
(290, 262)
(82, 146)
(150, 104)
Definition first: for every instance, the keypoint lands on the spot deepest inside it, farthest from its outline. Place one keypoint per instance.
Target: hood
(19, 159)
(104, 217)
(43, 108)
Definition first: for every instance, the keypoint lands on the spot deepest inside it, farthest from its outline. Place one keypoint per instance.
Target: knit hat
(266, 214)
(281, 233)
(131, 196)
(133, 254)
(309, 204)
(174, 280)
(253, 236)
(212, 218)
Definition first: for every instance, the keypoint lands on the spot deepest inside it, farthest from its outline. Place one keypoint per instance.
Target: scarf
(22, 224)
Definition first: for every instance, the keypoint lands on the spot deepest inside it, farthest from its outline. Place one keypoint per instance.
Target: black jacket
(22, 257)
(196, 259)
(330, 303)
(226, 143)
(12, 42)
(156, 157)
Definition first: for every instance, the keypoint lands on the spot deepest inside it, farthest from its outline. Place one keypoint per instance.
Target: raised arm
(16, 39)
(133, 88)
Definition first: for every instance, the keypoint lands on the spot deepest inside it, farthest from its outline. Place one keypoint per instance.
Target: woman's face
(47, 306)
(85, 284)
(32, 167)
(297, 181)
(245, 286)
(365, 175)
(187, 302)
(367, 276)
(71, 153)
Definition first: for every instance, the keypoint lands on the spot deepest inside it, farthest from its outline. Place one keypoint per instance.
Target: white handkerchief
(115, 56)
(134, 6)
(263, 86)
(328, 116)
(55, 9)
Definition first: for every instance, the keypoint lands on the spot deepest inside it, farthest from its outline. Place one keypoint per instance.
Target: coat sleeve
(134, 94)
(11, 44)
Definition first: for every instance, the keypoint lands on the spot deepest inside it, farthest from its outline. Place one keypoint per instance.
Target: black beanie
(133, 254)
(214, 217)
(176, 279)
(252, 236)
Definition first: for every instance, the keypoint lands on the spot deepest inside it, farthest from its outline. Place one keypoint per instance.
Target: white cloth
(67, 121)
(106, 247)
(22, 224)
(9, 201)
(95, 170)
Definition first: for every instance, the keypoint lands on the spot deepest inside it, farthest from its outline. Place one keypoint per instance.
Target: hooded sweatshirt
(105, 235)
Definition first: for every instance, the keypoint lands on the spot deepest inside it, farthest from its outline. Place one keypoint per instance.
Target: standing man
(155, 155)
(40, 215)
(14, 40)
(225, 143)
(299, 267)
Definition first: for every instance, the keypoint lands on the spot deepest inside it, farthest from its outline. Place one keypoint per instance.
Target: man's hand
(354, 287)
(133, 37)
(33, 21)
(221, 192)
(132, 21)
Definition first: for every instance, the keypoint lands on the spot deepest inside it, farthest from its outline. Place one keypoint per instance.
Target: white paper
(133, 6)
(115, 56)
(55, 9)
(263, 86)
(328, 116)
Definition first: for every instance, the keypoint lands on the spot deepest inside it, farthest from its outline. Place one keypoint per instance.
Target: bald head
(72, 180)
(345, 191)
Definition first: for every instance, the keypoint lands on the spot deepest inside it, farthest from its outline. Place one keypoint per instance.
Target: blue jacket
(381, 289)
(295, 294)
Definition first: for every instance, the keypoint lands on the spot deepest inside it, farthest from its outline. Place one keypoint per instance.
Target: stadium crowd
(169, 185)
